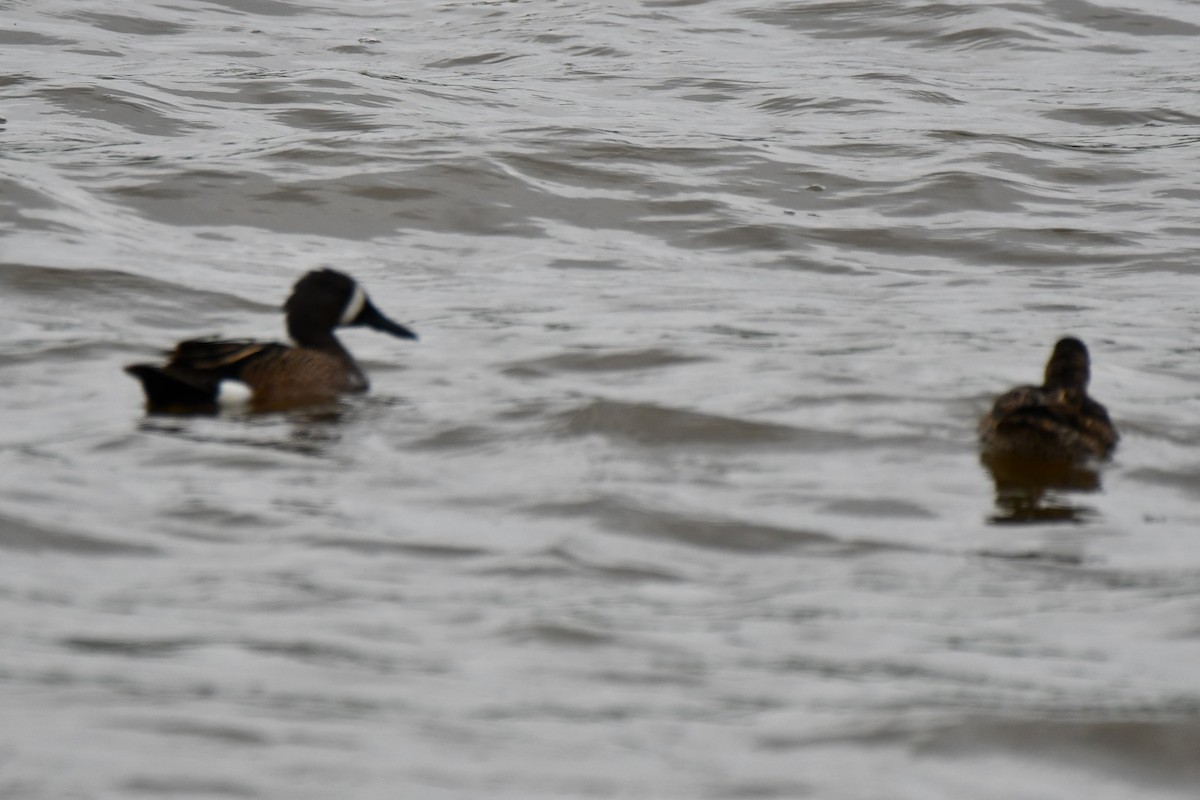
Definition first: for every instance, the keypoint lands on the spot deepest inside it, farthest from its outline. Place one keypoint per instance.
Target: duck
(1055, 422)
(209, 374)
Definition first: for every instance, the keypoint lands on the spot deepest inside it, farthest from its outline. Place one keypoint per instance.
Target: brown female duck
(1054, 422)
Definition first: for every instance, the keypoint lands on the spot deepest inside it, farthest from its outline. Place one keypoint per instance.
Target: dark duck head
(204, 374)
(1069, 366)
(326, 299)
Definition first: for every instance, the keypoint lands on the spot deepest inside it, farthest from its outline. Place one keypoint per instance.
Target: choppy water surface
(678, 495)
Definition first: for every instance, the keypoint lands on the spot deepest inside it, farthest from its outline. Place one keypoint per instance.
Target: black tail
(165, 390)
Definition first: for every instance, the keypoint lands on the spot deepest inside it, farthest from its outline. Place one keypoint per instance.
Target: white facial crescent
(357, 301)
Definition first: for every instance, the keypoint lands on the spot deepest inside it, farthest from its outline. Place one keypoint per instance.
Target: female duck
(1056, 421)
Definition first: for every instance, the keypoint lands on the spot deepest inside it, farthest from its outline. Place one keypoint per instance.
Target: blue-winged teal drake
(1054, 422)
(205, 374)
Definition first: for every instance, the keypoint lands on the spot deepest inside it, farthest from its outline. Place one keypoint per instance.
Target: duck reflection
(1040, 441)
(312, 431)
(1028, 490)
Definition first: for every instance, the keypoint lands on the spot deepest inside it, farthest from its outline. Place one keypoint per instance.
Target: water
(678, 496)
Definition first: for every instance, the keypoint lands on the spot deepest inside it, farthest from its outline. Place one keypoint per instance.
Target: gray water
(678, 496)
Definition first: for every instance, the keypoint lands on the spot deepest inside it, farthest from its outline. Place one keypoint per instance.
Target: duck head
(325, 299)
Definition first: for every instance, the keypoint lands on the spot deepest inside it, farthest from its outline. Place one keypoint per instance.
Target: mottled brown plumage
(198, 372)
(1056, 421)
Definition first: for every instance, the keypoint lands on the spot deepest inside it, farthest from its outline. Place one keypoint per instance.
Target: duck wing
(1097, 428)
(191, 378)
(1048, 422)
(223, 358)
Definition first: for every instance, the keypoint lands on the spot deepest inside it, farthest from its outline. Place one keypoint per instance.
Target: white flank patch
(357, 300)
(233, 393)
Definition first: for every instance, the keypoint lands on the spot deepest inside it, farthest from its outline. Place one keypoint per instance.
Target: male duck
(204, 374)
(1056, 421)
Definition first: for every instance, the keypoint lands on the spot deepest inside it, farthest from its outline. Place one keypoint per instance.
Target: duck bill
(372, 317)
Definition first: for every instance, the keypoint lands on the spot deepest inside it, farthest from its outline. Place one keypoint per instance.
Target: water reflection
(311, 431)
(1031, 490)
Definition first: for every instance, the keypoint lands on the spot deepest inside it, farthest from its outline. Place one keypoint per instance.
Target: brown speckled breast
(300, 375)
